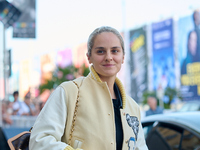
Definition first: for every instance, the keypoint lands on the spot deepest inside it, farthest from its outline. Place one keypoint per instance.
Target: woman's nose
(108, 56)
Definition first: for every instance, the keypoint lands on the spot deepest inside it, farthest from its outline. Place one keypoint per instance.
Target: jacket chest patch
(133, 123)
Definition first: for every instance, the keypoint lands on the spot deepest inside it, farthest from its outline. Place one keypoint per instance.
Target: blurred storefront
(79, 55)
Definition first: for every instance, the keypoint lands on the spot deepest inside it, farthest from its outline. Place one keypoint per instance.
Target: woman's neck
(110, 82)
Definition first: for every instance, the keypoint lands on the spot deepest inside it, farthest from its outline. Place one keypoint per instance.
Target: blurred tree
(63, 74)
(170, 94)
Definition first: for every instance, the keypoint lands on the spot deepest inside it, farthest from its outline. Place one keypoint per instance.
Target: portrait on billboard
(189, 55)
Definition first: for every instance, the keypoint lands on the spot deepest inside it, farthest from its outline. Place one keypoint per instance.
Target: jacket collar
(93, 74)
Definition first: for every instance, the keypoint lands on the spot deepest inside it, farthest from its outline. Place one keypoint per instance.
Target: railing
(22, 121)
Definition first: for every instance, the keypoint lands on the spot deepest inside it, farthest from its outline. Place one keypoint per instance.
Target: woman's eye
(100, 52)
(114, 51)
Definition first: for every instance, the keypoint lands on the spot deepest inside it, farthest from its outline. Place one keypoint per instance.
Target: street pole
(4, 73)
(4, 62)
(126, 44)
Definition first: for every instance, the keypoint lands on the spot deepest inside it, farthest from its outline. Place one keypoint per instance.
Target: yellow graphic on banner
(137, 43)
(193, 76)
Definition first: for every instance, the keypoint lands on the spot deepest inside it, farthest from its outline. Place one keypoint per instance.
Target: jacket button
(124, 113)
(109, 114)
(126, 141)
(111, 142)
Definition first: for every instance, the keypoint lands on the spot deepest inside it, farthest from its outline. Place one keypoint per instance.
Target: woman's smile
(107, 55)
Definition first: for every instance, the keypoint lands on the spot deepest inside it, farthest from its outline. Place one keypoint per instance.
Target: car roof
(189, 119)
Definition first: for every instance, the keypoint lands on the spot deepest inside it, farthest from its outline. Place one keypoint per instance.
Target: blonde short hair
(99, 30)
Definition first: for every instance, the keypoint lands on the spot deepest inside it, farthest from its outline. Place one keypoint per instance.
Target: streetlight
(9, 14)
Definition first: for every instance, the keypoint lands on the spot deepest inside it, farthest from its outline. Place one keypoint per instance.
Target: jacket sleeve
(141, 143)
(50, 124)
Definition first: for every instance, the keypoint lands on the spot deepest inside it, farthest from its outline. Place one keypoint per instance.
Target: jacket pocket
(77, 142)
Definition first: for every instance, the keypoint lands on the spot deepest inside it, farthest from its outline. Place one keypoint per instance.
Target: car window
(166, 136)
(190, 107)
(171, 136)
(147, 128)
(185, 107)
(190, 141)
(194, 107)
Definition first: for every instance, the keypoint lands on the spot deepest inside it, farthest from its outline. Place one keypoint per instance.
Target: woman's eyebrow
(116, 47)
(104, 48)
(99, 48)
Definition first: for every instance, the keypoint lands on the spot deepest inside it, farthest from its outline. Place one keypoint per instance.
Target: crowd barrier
(21, 121)
(20, 124)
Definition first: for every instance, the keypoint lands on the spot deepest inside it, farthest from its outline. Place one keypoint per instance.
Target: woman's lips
(108, 65)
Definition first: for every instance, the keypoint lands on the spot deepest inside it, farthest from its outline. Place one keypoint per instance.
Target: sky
(64, 24)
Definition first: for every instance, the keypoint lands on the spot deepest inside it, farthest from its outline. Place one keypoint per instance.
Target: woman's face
(192, 45)
(106, 55)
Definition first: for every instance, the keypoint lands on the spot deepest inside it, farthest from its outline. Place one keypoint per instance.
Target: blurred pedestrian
(16, 103)
(5, 114)
(42, 105)
(26, 108)
(10, 107)
(38, 107)
(153, 107)
(92, 112)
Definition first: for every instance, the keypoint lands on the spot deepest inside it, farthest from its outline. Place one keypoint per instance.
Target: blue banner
(189, 56)
(163, 55)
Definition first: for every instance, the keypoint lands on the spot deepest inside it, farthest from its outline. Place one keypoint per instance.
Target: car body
(173, 131)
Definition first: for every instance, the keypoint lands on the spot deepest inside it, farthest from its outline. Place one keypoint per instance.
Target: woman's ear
(88, 57)
(123, 59)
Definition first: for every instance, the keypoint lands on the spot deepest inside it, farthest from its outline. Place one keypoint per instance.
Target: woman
(92, 112)
(189, 68)
(192, 53)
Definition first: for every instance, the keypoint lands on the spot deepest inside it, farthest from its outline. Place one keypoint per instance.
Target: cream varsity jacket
(94, 126)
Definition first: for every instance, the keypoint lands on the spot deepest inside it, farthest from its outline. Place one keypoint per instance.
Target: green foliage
(63, 74)
(49, 85)
(86, 70)
(170, 93)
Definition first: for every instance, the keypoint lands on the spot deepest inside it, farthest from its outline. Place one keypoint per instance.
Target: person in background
(93, 112)
(16, 104)
(38, 107)
(5, 114)
(153, 108)
(41, 105)
(26, 108)
(10, 107)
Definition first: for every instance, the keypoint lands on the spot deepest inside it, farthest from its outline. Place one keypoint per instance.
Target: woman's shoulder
(71, 83)
(131, 101)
